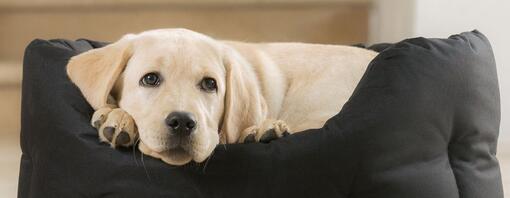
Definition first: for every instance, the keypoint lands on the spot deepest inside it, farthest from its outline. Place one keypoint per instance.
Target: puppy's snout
(181, 123)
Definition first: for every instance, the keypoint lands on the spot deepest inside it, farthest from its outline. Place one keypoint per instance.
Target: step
(325, 21)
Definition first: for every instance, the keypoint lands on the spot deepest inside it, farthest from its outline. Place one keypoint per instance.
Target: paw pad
(266, 132)
(268, 136)
(108, 133)
(116, 127)
(122, 138)
(250, 138)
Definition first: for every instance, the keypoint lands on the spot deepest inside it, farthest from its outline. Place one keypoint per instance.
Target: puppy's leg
(265, 132)
(115, 126)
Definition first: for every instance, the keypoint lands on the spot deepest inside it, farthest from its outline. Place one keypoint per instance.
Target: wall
(393, 20)
(439, 18)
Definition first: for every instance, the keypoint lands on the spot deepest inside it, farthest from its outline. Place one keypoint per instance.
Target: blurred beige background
(316, 21)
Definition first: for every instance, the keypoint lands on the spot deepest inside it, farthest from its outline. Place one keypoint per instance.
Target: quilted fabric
(422, 122)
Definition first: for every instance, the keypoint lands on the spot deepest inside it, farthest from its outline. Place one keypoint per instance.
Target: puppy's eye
(208, 84)
(150, 80)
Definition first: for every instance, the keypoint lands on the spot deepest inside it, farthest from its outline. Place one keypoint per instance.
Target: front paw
(267, 131)
(115, 127)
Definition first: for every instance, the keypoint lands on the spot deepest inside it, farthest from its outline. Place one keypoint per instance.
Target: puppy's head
(185, 91)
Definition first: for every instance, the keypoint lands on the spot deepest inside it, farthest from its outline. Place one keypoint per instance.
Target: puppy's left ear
(244, 104)
(96, 71)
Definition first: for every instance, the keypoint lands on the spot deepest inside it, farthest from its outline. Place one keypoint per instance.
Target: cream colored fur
(279, 87)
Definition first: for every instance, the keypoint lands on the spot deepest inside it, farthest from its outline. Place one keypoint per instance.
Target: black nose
(180, 123)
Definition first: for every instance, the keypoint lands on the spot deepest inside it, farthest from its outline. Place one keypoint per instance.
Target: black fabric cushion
(423, 122)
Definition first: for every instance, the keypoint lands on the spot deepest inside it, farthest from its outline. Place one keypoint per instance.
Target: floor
(504, 161)
(9, 165)
(9, 131)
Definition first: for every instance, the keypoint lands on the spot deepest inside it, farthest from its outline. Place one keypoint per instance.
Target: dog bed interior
(422, 122)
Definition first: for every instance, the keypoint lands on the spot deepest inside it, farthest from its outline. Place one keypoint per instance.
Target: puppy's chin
(176, 156)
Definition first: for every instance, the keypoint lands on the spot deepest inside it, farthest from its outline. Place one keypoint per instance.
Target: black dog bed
(422, 122)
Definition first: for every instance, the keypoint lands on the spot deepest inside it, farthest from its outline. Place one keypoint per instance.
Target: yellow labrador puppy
(180, 93)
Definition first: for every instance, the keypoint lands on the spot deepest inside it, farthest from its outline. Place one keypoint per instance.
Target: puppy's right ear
(96, 71)
(244, 104)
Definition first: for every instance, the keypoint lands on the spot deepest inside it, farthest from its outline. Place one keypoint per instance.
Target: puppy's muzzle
(181, 123)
